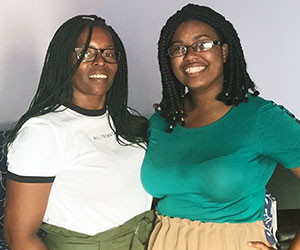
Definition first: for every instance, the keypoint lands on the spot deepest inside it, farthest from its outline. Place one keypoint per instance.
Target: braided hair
(237, 81)
(55, 85)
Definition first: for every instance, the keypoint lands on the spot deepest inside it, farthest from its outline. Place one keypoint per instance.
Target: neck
(202, 101)
(203, 109)
(91, 103)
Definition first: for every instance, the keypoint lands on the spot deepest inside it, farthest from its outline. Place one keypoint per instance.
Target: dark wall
(285, 187)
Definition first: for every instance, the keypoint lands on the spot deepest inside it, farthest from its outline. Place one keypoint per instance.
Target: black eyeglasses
(108, 55)
(198, 46)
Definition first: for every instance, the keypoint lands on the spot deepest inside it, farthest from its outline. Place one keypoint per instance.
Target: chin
(195, 85)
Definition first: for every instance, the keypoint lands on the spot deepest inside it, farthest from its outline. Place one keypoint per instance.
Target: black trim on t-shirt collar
(88, 112)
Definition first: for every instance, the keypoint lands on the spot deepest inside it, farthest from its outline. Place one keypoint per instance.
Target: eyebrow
(108, 47)
(194, 38)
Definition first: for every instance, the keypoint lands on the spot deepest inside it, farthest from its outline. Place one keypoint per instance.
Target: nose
(99, 60)
(190, 53)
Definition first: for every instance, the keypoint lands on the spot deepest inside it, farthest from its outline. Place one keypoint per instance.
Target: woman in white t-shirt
(74, 157)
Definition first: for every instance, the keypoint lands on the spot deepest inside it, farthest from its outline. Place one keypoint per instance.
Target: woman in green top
(213, 147)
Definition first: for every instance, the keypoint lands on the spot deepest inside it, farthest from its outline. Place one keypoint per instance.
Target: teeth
(194, 69)
(97, 76)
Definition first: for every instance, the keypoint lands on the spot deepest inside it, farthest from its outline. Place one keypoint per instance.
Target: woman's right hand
(260, 245)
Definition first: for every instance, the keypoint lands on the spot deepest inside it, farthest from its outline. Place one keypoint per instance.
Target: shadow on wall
(23, 51)
(17, 80)
(6, 126)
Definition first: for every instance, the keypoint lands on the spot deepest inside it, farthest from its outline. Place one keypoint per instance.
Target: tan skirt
(184, 234)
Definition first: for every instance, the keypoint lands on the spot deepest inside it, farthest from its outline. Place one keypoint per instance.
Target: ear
(225, 52)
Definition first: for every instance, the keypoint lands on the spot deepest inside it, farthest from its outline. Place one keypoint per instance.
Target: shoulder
(35, 126)
(270, 114)
(257, 102)
(269, 107)
(43, 127)
(156, 121)
(53, 120)
(155, 117)
(61, 114)
(258, 106)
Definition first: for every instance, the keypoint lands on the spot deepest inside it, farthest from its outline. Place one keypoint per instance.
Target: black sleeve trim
(30, 179)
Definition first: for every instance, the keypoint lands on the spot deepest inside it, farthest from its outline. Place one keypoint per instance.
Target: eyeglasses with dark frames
(108, 55)
(198, 46)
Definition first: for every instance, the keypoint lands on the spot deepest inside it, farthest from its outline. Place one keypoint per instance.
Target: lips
(191, 69)
(98, 76)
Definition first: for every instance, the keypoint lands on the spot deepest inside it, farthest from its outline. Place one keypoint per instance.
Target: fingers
(259, 245)
(156, 106)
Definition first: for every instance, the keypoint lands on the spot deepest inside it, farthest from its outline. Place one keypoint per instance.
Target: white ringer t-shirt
(96, 181)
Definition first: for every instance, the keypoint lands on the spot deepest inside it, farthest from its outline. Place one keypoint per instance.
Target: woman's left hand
(259, 245)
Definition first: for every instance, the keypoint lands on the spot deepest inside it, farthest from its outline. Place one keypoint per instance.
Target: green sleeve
(278, 135)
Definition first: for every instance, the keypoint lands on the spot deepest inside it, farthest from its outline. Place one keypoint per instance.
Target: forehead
(194, 30)
(100, 37)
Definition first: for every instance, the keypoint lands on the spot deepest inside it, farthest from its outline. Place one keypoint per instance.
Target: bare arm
(296, 242)
(24, 210)
(294, 246)
(296, 171)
